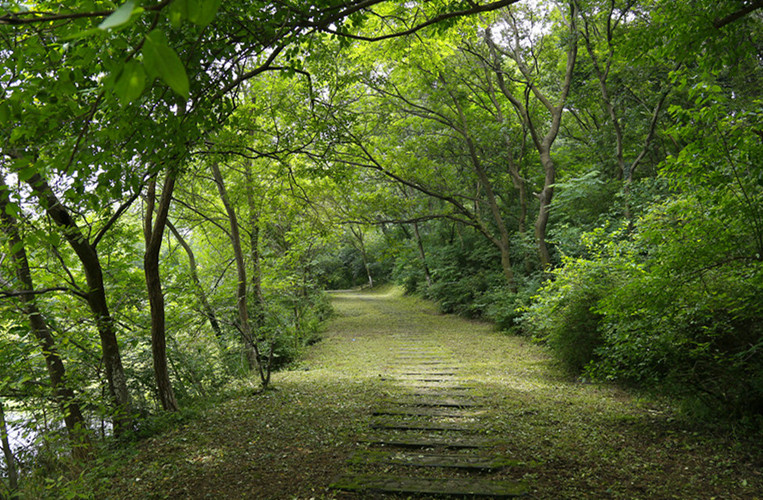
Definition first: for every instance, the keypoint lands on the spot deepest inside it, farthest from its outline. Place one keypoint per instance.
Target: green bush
(563, 315)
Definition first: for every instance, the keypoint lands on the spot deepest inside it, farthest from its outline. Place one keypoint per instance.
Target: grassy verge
(583, 441)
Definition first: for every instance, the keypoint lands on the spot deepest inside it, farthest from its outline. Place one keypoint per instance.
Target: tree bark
(254, 249)
(542, 144)
(10, 460)
(503, 242)
(63, 395)
(206, 307)
(153, 231)
(96, 299)
(251, 349)
(358, 233)
(422, 254)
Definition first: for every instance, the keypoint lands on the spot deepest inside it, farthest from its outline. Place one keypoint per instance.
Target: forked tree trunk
(153, 231)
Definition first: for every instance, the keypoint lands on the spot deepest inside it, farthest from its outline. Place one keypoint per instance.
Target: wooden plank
(415, 411)
(445, 402)
(425, 426)
(441, 386)
(427, 374)
(463, 487)
(468, 462)
(407, 440)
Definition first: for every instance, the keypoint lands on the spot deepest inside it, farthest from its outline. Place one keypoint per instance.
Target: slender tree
(62, 393)
(153, 231)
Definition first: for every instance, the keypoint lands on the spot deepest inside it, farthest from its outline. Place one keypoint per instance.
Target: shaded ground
(571, 440)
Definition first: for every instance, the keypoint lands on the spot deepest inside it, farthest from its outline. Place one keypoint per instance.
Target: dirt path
(329, 417)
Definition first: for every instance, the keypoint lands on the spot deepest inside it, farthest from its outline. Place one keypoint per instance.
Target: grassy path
(569, 440)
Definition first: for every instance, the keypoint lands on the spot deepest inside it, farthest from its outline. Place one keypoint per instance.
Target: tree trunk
(10, 460)
(96, 299)
(64, 396)
(358, 233)
(545, 197)
(422, 255)
(153, 231)
(254, 250)
(245, 328)
(206, 307)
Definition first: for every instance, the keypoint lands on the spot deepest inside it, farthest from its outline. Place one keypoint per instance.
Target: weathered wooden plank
(470, 487)
(425, 426)
(469, 462)
(445, 402)
(415, 411)
(407, 440)
(448, 387)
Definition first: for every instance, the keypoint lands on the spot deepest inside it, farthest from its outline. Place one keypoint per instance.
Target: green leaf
(161, 60)
(203, 11)
(130, 83)
(25, 174)
(199, 12)
(12, 209)
(5, 113)
(119, 17)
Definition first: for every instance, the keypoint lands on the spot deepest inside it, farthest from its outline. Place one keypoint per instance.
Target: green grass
(570, 440)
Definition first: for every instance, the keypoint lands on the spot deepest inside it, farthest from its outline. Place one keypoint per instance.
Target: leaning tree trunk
(96, 299)
(153, 231)
(422, 254)
(63, 395)
(254, 250)
(206, 307)
(245, 327)
(10, 460)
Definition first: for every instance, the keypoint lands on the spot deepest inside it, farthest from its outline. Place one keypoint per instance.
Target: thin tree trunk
(422, 255)
(10, 460)
(245, 327)
(153, 231)
(358, 233)
(206, 308)
(544, 144)
(254, 250)
(64, 396)
(96, 299)
(503, 242)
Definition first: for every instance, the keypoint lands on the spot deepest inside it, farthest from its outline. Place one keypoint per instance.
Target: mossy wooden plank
(441, 386)
(443, 402)
(468, 462)
(470, 487)
(427, 441)
(429, 373)
(425, 426)
(427, 411)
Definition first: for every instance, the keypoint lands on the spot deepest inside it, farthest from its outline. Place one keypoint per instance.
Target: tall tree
(153, 231)
(515, 48)
(62, 393)
(95, 295)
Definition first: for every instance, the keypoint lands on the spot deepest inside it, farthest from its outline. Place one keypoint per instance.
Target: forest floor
(569, 439)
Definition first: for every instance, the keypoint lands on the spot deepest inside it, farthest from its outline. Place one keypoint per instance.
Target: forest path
(520, 424)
